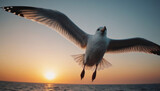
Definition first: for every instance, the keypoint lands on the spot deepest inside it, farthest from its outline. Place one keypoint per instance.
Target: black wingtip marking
(156, 52)
(21, 15)
(8, 9)
(13, 10)
(4, 7)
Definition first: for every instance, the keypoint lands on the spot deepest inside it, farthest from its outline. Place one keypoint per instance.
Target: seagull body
(96, 48)
(96, 45)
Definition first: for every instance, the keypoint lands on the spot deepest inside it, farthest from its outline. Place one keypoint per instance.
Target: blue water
(19, 86)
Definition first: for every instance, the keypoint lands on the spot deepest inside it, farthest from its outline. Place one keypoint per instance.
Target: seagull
(95, 45)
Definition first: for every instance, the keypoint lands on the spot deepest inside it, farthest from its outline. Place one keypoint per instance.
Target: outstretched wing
(133, 44)
(54, 19)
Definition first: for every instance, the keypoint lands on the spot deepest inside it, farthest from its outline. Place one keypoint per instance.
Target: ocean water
(19, 86)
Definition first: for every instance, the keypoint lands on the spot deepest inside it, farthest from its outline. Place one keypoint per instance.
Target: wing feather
(53, 19)
(133, 44)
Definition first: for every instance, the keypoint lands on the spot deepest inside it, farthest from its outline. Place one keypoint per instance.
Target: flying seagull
(95, 45)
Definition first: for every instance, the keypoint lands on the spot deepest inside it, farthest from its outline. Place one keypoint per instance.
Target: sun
(49, 75)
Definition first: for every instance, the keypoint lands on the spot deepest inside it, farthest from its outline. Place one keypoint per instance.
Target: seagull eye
(97, 29)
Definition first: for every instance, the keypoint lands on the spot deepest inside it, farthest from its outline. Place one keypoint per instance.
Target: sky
(28, 50)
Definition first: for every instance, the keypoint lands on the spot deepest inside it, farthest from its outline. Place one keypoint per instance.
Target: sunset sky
(29, 50)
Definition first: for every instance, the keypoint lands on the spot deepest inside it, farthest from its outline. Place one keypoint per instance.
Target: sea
(22, 86)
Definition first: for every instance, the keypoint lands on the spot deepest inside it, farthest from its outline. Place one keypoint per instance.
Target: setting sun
(49, 75)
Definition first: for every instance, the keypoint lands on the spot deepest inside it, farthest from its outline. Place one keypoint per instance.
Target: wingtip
(156, 52)
(13, 10)
(7, 8)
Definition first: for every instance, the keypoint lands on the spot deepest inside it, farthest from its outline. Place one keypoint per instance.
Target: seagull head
(101, 30)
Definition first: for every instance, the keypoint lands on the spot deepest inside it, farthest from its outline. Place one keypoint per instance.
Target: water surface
(21, 86)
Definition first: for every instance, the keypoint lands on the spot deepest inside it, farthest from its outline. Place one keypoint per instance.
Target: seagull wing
(53, 19)
(133, 44)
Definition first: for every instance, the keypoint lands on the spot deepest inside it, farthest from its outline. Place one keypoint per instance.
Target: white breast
(96, 47)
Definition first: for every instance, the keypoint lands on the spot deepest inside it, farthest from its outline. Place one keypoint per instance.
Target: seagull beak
(103, 29)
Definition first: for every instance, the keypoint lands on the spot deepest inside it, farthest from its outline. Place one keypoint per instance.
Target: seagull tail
(79, 58)
(104, 64)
